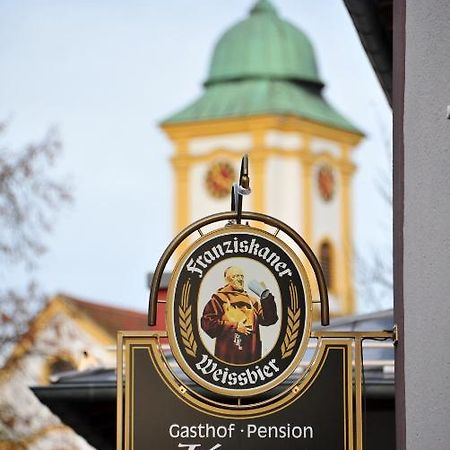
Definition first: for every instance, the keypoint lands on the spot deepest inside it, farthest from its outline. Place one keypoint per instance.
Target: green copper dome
(263, 65)
(263, 46)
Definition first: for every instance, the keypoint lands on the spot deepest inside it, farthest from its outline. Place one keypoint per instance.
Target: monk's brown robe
(220, 319)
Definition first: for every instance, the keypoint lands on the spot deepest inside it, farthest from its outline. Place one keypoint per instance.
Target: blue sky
(106, 72)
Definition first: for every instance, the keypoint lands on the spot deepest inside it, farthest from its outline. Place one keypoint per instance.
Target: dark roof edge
(367, 23)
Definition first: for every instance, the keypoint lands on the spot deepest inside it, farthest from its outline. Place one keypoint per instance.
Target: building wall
(284, 193)
(426, 230)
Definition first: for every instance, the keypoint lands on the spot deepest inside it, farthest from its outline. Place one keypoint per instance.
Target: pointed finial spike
(244, 179)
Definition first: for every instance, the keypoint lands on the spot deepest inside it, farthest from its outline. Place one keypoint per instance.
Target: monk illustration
(233, 317)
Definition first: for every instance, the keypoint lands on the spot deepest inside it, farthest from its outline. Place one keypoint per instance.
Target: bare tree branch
(30, 198)
(375, 267)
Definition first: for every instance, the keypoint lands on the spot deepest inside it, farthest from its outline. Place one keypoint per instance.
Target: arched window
(60, 365)
(57, 365)
(326, 261)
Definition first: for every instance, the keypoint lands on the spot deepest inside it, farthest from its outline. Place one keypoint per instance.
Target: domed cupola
(262, 65)
(263, 46)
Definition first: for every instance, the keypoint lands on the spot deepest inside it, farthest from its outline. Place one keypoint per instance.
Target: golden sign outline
(291, 341)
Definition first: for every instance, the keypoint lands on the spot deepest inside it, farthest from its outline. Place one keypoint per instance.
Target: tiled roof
(258, 97)
(111, 318)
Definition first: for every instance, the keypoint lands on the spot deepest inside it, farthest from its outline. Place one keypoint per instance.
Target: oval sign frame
(189, 327)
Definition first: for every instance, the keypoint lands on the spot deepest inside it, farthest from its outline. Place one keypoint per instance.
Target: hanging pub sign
(228, 327)
(243, 368)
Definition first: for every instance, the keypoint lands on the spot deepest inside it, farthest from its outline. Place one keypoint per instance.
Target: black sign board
(313, 412)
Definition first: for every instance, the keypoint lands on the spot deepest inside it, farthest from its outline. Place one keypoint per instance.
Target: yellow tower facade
(263, 97)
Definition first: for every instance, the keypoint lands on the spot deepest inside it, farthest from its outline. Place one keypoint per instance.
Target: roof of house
(111, 318)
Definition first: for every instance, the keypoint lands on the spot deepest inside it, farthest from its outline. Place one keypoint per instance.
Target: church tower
(263, 96)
